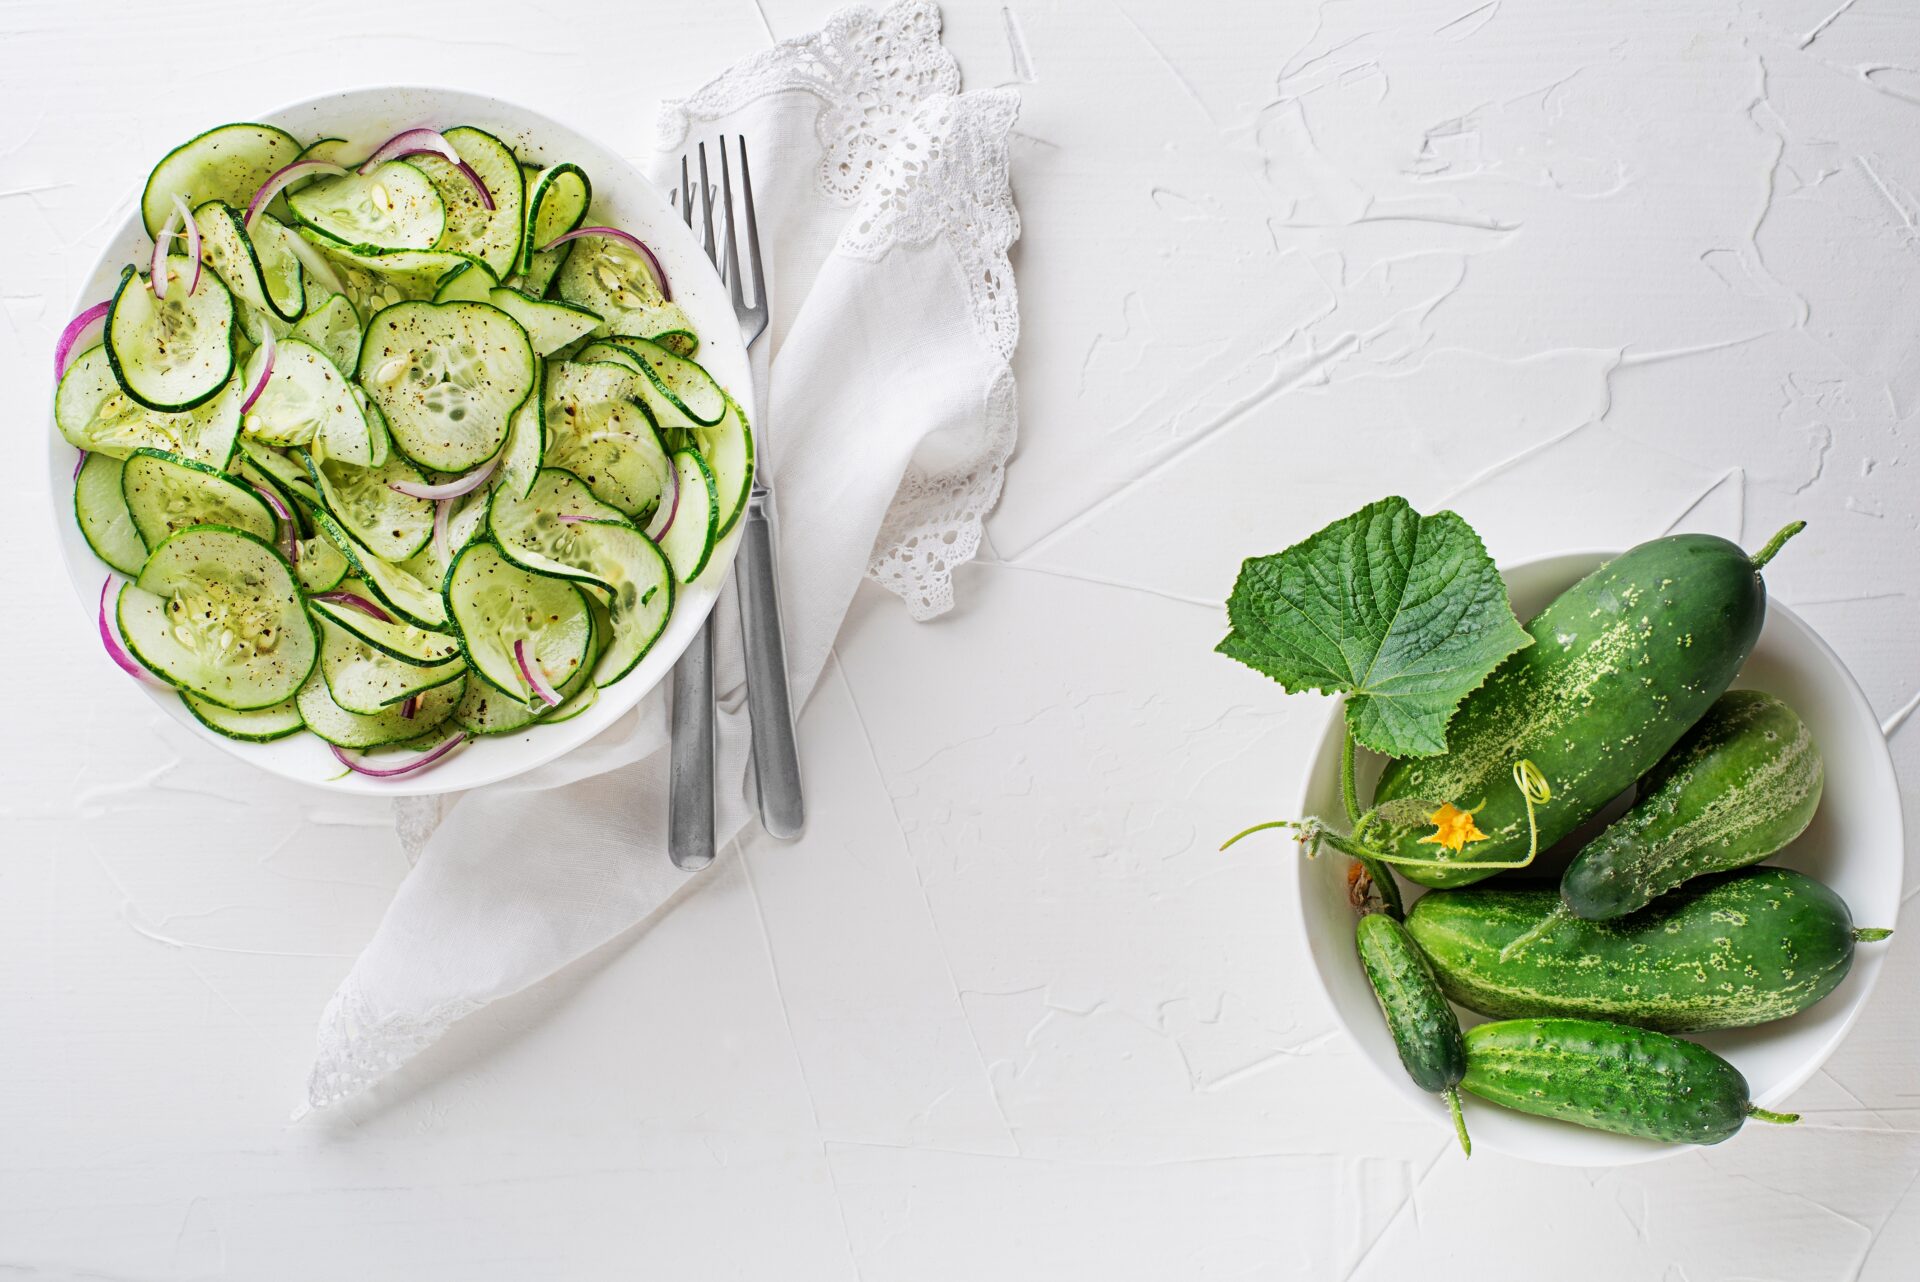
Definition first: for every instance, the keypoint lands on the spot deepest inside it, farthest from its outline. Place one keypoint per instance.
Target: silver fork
(776, 758)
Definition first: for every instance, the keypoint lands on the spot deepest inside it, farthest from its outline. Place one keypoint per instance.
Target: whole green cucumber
(1621, 664)
(1726, 951)
(1610, 1077)
(1737, 787)
(1425, 1030)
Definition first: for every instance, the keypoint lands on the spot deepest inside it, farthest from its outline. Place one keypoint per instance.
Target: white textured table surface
(1585, 273)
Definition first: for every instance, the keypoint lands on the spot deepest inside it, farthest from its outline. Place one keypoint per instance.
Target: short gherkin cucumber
(1742, 784)
(1610, 1077)
(1621, 664)
(1727, 951)
(1425, 1030)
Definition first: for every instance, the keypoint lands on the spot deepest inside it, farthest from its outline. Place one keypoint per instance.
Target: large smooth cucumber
(1630, 1081)
(1723, 952)
(1742, 784)
(1621, 664)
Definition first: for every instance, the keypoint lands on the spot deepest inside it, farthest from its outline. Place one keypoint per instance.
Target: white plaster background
(1584, 272)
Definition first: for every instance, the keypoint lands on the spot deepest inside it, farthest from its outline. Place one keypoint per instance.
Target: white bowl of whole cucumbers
(1646, 850)
(399, 438)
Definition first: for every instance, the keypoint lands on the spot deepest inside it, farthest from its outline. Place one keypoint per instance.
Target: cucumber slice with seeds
(165, 493)
(353, 730)
(394, 207)
(448, 376)
(215, 612)
(334, 328)
(102, 513)
(598, 429)
(319, 565)
(258, 267)
(364, 680)
(491, 235)
(386, 522)
(392, 586)
(495, 605)
(175, 353)
(688, 541)
(607, 276)
(95, 414)
(308, 403)
(228, 163)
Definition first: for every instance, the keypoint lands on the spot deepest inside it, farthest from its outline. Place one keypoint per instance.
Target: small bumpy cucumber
(1742, 784)
(1621, 664)
(1724, 952)
(1425, 1030)
(1609, 1077)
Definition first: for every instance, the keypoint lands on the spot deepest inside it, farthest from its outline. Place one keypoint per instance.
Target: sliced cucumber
(259, 725)
(727, 447)
(609, 278)
(308, 402)
(550, 326)
(164, 493)
(688, 540)
(681, 383)
(467, 522)
(471, 282)
(286, 473)
(448, 377)
(557, 201)
(333, 327)
(375, 280)
(545, 264)
(526, 440)
(386, 522)
(394, 207)
(262, 272)
(215, 612)
(390, 637)
(364, 680)
(605, 552)
(175, 353)
(319, 565)
(228, 163)
(394, 587)
(495, 605)
(680, 340)
(484, 710)
(491, 235)
(102, 513)
(353, 730)
(598, 430)
(94, 413)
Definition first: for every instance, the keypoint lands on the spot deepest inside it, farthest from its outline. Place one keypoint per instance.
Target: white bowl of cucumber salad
(1853, 846)
(399, 439)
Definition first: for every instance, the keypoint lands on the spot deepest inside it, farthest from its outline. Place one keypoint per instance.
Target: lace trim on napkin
(918, 161)
(359, 1047)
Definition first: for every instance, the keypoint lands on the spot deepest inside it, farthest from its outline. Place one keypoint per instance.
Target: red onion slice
(282, 178)
(632, 242)
(288, 547)
(440, 507)
(668, 509)
(448, 490)
(157, 266)
(193, 239)
(77, 335)
(358, 764)
(265, 356)
(355, 601)
(77, 465)
(410, 706)
(109, 637)
(536, 680)
(426, 142)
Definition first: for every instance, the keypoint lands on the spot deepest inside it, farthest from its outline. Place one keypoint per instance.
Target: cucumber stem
(1872, 934)
(1349, 795)
(1452, 1094)
(1313, 832)
(1768, 1115)
(1775, 543)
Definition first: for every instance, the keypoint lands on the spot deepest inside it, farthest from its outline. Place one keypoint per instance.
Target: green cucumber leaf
(1404, 614)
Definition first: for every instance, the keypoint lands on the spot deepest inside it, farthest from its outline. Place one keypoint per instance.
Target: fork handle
(690, 763)
(776, 754)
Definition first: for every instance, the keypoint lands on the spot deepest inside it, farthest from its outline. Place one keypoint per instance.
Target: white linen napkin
(885, 217)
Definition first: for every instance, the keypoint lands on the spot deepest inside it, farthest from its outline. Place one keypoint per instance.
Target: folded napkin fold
(885, 217)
